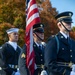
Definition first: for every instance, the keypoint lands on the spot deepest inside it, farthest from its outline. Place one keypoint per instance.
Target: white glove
(72, 73)
(44, 72)
(73, 67)
(17, 73)
(73, 70)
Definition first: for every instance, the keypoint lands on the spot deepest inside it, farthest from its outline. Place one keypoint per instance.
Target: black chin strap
(38, 36)
(64, 26)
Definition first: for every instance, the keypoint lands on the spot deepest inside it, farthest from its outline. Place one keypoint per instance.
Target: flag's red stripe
(31, 56)
(36, 20)
(32, 68)
(32, 13)
(27, 47)
(31, 3)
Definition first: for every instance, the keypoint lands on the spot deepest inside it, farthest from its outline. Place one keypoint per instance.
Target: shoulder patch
(23, 55)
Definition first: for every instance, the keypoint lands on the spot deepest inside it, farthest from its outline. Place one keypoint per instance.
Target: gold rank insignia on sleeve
(23, 55)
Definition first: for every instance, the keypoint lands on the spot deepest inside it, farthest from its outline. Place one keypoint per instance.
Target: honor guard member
(10, 53)
(38, 35)
(60, 49)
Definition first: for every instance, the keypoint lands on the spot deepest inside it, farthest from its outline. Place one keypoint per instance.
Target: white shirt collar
(38, 44)
(13, 44)
(64, 34)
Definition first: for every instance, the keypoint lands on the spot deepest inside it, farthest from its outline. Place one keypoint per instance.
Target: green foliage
(18, 21)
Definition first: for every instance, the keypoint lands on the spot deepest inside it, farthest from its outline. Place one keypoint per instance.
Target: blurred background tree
(47, 14)
(12, 14)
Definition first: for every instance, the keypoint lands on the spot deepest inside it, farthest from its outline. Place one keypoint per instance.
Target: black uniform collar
(64, 34)
(62, 38)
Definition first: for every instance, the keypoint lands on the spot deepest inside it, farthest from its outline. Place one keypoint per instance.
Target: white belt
(0, 68)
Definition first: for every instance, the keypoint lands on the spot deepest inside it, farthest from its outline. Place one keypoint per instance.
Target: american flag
(32, 18)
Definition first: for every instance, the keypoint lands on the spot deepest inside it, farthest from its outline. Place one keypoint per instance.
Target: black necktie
(40, 47)
(68, 39)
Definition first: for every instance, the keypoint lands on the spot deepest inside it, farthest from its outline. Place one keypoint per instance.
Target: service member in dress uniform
(10, 53)
(61, 62)
(38, 35)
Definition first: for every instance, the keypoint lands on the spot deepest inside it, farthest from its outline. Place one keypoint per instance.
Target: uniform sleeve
(51, 58)
(1, 61)
(4, 65)
(22, 62)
